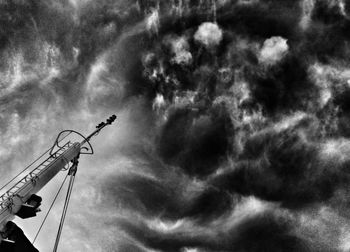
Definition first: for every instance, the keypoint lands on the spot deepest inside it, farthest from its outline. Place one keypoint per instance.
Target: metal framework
(61, 157)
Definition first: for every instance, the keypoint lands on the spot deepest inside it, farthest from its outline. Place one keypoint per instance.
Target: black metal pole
(72, 172)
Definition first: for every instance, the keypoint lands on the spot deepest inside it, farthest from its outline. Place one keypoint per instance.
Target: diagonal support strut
(72, 172)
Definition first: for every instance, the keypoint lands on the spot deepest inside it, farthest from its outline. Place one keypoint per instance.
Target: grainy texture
(233, 120)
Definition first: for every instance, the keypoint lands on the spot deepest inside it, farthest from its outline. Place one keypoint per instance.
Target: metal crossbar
(32, 175)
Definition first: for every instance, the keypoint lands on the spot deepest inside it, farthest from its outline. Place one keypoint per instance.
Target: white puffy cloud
(209, 34)
(180, 48)
(152, 21)
(273, 50)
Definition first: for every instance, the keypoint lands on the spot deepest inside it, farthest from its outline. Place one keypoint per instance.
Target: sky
(232, 130)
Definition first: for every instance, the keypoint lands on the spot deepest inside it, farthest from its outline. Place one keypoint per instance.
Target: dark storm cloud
(285, 167)
(200, 148)
(171, 195)
(26, 22)
(222, 112)
(266, 231)
(285, 86)
(14, 18)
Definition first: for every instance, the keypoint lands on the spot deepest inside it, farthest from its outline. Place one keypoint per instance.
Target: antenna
(100, 126)
(72, 172)
(89, 149)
